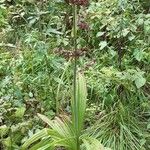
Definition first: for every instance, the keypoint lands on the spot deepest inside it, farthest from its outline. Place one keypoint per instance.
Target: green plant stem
(75, 73)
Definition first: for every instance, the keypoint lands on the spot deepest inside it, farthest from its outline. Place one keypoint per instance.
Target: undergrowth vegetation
(45, 48)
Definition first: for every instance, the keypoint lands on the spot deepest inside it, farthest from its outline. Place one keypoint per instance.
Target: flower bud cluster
(79, 2)
(83, 25)
(71, 54)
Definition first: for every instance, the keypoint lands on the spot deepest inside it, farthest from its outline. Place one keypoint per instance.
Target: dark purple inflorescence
(79, 2)
(83, 25)
(71, 54)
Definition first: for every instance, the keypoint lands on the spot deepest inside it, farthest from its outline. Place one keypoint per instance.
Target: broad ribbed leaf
(45, 119)
(63, 133)
(63, 128)
(43, 144)
(79, 104)
(41, 134)
(91, 143)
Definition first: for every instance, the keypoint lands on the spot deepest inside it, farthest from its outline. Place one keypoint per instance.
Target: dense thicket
(36, 69)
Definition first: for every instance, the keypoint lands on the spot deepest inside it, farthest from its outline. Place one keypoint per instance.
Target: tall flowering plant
(68, 133)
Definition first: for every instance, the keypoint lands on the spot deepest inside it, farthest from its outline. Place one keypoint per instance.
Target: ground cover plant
(36, 74)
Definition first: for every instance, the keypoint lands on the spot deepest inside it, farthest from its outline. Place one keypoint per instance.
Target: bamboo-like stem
(75, 75)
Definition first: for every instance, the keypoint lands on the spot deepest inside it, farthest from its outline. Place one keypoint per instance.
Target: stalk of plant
(75, 71)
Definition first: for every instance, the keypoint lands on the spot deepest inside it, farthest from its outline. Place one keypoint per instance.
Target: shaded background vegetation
(116, 64)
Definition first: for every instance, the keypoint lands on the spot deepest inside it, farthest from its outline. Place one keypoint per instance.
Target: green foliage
(78, 110)
(62, 133)
(34, 79)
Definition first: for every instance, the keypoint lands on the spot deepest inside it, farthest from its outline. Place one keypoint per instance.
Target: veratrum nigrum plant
(66, 133)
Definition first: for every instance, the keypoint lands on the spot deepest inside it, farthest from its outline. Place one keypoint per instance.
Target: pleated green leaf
(79, 104)
(41, 134)
(91, 143)
(63, 133)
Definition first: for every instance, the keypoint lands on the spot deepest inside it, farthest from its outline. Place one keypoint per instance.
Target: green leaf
(7, 142)
(78, 108)
(62, 132)
(140, 81)
(140, 21)
(125, 32)
(30, 94)
(90, 143)
(32, 21)
(54, 31)
(45, 119)
(20, 112)
(3, 130)
(132, 37)
(100, 34)
(142, 141)
(102, 45)
(138, 54)
(148, 126)
(34, 138)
